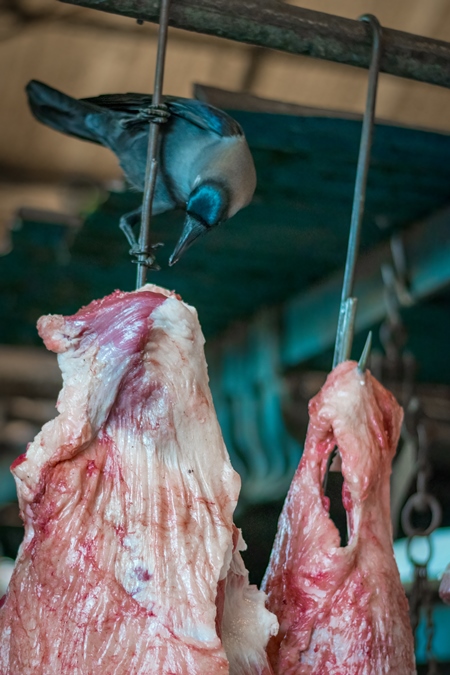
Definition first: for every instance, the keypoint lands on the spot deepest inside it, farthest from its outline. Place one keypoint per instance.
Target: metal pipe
(145, 256)
(346, 322)
(281, 26)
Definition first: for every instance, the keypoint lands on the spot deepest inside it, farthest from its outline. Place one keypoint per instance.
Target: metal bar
(309, 320)
(345, 330)
(299, 31)
(152, 162)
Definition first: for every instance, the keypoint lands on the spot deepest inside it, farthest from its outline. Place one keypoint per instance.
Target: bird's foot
(127, 224)
(136, 250)
(145, 257)
(158, 114)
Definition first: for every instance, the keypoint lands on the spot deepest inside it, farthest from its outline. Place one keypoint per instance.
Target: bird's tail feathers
(60, 111)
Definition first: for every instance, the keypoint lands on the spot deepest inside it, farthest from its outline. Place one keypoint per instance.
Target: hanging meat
(130, 563)
(444, 588)
(342, 609)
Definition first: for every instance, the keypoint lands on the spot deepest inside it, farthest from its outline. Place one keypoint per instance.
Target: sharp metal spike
(362, 364)
(344, 336)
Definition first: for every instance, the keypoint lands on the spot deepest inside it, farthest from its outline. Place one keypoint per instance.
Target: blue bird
(205, 165)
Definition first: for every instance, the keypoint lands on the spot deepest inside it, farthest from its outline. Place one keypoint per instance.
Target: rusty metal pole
(145, 256)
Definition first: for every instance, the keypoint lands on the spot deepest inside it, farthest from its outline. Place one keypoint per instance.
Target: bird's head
(207, 207)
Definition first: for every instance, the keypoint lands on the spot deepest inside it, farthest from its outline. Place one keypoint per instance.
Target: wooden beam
(299, 31)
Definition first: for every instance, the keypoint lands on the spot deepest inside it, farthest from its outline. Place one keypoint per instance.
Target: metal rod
(151, 171)
(345, 331)
(279, 25)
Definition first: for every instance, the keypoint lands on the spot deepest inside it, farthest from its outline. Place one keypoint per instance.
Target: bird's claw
(158, 114)
(148, 262)
(136, 250)
(146, 258)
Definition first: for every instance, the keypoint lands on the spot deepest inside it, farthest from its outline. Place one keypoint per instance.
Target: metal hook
(145, 256)
(362, 364)
(346, 323)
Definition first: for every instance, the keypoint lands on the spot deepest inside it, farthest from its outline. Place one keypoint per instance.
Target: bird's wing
(127, 103)
(204, 116)
(200, 114)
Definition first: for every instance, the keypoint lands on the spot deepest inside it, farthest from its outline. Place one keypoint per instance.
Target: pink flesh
(128, 498)
(444, 588)
(120, 320)
(342, 610)
(18, 460)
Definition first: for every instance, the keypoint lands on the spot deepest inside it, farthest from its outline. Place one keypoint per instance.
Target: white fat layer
(246, 624)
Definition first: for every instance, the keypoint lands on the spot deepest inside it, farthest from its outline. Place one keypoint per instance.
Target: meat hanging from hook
(347, 310)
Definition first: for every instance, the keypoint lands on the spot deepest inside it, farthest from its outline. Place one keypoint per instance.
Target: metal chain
(433, 668)
(417, 594)
(421, 502)
(421, 600)
(400, 364)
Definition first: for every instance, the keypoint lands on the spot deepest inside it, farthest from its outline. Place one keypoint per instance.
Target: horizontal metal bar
(299, 31)
(309, 320)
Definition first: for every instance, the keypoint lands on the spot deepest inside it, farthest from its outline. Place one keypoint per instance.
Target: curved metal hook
(145, 256)
(346, 324)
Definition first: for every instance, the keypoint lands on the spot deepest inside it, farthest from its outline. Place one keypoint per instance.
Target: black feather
(61, 112)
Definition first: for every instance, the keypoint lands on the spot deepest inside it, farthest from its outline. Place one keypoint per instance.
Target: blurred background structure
(266, 285)
(87, 53)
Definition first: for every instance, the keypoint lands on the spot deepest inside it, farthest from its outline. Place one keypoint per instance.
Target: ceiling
(86, 52)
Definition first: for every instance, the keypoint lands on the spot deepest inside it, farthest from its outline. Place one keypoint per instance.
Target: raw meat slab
(130, 563)
(342, 610)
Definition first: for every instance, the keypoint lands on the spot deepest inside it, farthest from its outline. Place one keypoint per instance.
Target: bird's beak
(191, 231)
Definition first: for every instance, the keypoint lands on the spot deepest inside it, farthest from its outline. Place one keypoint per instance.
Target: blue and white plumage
(205, 165)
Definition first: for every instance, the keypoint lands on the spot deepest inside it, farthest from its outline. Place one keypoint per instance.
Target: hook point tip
(362, 364)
